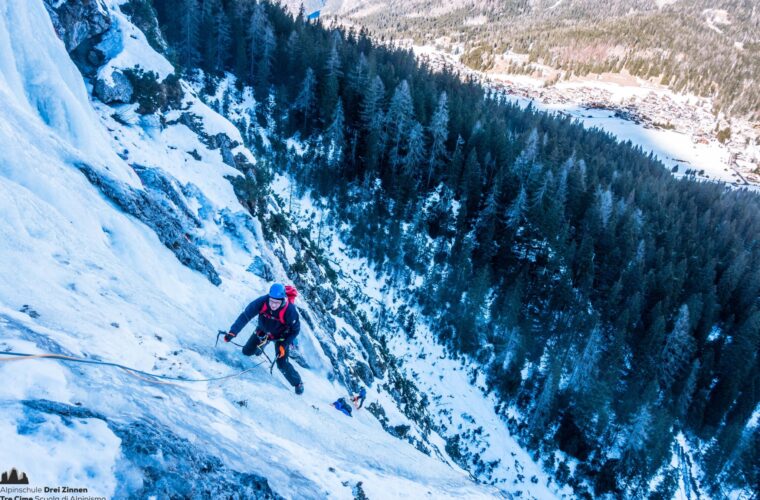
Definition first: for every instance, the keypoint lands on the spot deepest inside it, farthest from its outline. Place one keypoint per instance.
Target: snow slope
(80, 277)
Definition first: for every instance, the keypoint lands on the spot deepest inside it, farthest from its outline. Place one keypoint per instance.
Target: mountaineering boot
(299, 388)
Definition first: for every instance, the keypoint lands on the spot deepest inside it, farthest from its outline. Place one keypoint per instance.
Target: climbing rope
(148, 377)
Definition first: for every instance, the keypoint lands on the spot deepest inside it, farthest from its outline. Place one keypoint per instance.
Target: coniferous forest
(611, 304)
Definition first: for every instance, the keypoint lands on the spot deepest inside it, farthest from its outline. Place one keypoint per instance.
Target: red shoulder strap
(282, 312)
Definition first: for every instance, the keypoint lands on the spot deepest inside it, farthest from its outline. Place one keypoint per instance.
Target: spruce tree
(189, 26)
(439, 133)
(305, 102)
(677, 351)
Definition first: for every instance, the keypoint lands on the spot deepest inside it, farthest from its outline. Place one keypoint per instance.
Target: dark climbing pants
(282, 351)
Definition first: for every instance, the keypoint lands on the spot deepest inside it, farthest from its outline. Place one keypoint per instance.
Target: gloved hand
(280, 351)
(229, 336)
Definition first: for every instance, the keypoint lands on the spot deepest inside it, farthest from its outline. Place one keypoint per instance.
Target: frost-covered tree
(272, 111)
(638, 430)
(372, 105)
(485, 227)
(415, 153)
(439, 133)
(329, 80)
(263, 42)
(358, 77)
(337, 136)
(605, 202)
(398, 121)
(585, 366)
(372, 118)
(305, 102)
(516, 212)
(526, 158)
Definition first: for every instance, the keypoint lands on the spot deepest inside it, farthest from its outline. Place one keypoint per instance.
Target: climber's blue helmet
(277, 291)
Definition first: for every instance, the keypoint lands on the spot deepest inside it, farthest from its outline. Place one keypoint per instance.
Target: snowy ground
(81, 278)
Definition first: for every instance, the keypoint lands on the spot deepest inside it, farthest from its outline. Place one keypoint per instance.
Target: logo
(14, 477)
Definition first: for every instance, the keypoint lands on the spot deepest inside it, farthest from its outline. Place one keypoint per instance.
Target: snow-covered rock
(118, 90)
(78, 21)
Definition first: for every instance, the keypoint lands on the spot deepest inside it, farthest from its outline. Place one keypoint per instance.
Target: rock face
(118, 90)
(81, 25)
(154, 209)
(222, 142)
(261, 268)
(77, 21)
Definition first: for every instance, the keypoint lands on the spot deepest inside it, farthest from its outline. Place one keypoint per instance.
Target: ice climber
(358, 399)
(278, 321)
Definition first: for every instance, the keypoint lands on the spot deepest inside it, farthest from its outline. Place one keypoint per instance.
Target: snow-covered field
(674, 149)
(79, 277)
(706, 157)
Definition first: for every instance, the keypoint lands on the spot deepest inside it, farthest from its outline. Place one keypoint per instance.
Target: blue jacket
(269, 321)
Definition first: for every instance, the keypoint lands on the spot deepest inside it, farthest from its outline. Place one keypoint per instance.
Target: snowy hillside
(122, 241)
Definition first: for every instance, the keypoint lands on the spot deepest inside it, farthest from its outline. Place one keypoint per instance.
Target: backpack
(342, 405)
(291, 293)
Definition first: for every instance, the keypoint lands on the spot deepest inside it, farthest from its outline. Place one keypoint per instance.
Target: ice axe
(222, 333)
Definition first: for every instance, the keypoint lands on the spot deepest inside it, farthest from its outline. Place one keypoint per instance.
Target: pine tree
(516, 213)
(223, 39)
(439, 132)
(527, 157)
(397, 122)
(207, 24)
(544, 403)
(358, 78)
(638, 431)
(415, 154)
(330, 84)
(456, 164)
(677, 351)
(583, 378)
(371, 108)
(272, 112)
(336, 136)
(687, 393)
(372, 119)
(485, 228)
(262, 39)
(188, 31)
(305, 101)
(472, 181)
